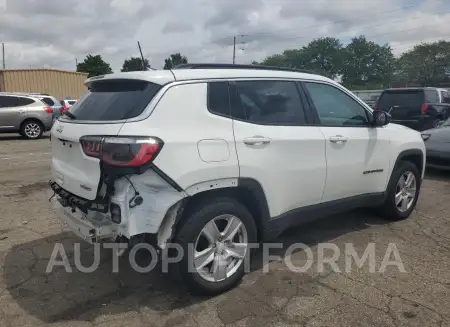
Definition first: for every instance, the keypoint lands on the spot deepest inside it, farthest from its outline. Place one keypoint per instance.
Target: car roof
(202, 73)
(410, 88)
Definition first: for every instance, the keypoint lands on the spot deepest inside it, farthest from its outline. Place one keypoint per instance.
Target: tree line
(361, 64)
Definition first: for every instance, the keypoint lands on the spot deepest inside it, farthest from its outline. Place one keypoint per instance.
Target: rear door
(102, 111)
(276, 143)
(404, 105)
(12, 112)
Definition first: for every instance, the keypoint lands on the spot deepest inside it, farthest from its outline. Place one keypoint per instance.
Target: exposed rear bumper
(83, 228)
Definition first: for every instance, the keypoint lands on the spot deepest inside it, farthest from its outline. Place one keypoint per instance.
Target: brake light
(62, 109)
(48, 110)
(122, 151)
(423, 109)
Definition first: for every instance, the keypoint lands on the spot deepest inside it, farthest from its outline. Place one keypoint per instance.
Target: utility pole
(3, 55)
(234, 49)
(76, 63)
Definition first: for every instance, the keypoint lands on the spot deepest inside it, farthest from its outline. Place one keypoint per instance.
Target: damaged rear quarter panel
(158, 196)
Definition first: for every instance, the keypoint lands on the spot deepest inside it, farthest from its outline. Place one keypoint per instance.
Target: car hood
(440, 134)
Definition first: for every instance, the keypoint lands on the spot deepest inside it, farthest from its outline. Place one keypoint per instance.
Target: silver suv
(24, 114)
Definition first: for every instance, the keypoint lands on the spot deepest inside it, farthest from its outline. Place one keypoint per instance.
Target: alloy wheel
(405, 192)
(32, 130)
(220, 248)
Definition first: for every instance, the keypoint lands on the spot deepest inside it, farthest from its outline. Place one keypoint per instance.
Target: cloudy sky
(54, 33)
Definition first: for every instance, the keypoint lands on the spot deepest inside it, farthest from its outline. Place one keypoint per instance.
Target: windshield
(116, 99)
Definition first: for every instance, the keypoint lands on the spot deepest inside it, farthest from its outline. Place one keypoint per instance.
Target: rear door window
(400, 98)
(11, 102)
(117, 99)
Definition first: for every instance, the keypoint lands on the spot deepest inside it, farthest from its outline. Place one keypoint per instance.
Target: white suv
(215, 157)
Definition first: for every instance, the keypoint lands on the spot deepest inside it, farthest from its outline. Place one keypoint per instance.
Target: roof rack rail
(239, 66)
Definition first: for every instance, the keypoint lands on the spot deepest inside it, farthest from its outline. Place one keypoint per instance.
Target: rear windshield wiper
(70, 115)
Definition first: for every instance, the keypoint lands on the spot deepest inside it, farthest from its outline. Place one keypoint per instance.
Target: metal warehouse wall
(58, 83)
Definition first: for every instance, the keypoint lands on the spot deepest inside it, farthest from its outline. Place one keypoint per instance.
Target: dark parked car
(437, 142)
(418, 108)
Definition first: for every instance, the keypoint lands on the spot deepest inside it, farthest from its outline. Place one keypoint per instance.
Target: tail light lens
(423, 109)
(122, 151)
(48, 110)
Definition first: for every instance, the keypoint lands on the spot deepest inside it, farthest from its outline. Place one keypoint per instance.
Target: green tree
(426, 64)
(277, 60)
(94, 66)
(367, 63)
(323, 56)
(134, 64)
(174, 60)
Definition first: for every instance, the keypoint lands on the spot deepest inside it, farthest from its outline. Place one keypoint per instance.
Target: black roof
(235, 66)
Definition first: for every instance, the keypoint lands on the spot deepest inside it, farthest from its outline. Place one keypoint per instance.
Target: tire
(390, 210)
(32, 129)
(190, 236)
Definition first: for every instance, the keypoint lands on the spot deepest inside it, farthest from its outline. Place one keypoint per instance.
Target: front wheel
(215, 240)
(403, 192)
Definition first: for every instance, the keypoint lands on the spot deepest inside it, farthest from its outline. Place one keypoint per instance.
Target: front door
(357, 162)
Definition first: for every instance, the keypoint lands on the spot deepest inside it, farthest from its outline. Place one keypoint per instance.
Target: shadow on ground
(61, 295)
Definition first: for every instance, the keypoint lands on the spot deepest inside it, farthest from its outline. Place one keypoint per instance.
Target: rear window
(114, 100)
(401, 98)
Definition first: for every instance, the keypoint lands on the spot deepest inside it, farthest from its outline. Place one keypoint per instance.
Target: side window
(23, 102)
(336, 108)
(48, 101)
(432, 96)
(3, 101)
(267, 102)
(218, 98)
(11, 102)
(445, 97)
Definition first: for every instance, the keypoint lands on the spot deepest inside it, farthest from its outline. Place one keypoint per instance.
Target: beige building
(58, 83)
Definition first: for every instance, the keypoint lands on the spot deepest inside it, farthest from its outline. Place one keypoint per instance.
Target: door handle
(257, 140)
(338, 139)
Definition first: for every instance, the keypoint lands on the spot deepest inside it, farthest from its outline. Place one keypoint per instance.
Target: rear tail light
(48, 110)
(62, 109)
(375, 106)
(122, 151)
(423, 109)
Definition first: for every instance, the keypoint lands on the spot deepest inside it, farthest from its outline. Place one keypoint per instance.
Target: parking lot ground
(29, 296)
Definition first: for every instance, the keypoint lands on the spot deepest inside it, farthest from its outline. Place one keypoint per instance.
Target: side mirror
(381, 118)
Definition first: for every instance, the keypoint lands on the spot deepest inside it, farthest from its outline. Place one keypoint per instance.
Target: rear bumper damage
(118, 214)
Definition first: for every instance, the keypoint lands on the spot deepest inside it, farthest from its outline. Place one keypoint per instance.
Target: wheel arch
(415, 156)
(247, 191)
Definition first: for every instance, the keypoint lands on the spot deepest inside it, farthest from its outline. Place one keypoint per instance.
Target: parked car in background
(437, 143)
(368, 96)
(66, 104)
(419, 108)
(24, 114)
(51, 102)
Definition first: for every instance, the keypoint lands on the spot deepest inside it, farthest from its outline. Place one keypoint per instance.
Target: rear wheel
(403, 192)
(215, 241)
(32, 129)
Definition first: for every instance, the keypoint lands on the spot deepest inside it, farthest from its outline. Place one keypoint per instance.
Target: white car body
(290, 169)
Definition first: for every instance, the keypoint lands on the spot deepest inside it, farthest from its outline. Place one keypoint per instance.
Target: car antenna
(142, 58)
